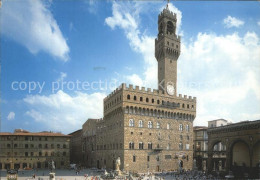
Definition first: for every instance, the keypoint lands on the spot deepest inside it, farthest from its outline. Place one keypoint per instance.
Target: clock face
(170, 89)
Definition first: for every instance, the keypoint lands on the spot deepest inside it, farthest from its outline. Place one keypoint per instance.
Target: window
(150, 124)
(15, 145)
(135, 98)
(26, 154)
(168, 146)
(58, 146)
(141, 98)
(188, 137)
(192, 106)
(181, 137)
(170, 27)
(180, 127)
(31, 153)
(187, 128)
(134, 158)
(158, 101)
(128, 96)
(26, 145)
(147, 100)
(131, 123)
(131, 145)
(141, 124)
(9, 145)
(183, 106)
(157, 125)
(148, 158)
(150, 145)
(158, 158)
(180, 146)
(188, 106)
(141, 145)
(152, 100)
(187, 146)
(168, 126)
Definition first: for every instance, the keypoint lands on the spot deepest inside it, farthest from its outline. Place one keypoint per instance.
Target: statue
(52, 167)
(118, 163)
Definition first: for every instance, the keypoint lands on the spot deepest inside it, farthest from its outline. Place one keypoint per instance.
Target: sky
(59, 59)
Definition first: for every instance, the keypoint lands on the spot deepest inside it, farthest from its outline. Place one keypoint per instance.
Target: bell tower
(167, 51)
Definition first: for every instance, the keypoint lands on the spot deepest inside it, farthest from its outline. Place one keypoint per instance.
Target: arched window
(141, 145)
(150, 124)
(187, 128)
(128, 96)
(180, 146)
(147, 100)
(135, 98)
(170, 28)
(158, 101)
(141, 124)
(183, 106)
(131, 145)
(157, 125)
(131, 123)
(150, 145)
(180, 127)
(141, 98)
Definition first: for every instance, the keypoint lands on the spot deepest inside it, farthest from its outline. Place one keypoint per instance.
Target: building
(240, 150)
(23, 149)
(149, 130)
(201, 143)
(217, 123)
(200, 147)
(76, 147)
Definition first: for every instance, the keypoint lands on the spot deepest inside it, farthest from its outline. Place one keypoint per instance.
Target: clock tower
(167, 51)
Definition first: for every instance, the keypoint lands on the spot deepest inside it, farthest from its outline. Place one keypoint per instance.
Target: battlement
(167, 13)
(160, 37)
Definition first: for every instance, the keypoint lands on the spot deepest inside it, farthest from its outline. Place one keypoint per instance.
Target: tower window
(141, 98)
(135, 98)
(152, 100)
(128, 96)
(147, 99)
(170, 27)
(158, 101)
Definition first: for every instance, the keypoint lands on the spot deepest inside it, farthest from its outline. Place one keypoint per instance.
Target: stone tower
(167, 51)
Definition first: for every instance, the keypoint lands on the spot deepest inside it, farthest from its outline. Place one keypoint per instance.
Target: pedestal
(52, 176)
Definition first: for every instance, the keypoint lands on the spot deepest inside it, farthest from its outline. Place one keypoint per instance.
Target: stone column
(228, 161)
(210, 163)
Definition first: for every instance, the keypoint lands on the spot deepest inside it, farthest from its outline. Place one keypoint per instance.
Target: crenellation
(143, 89)
(185, 97)
(137, 88)
(130, 87)
(180, 95)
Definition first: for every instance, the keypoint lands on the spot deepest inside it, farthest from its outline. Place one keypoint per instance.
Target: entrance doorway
(157, 168)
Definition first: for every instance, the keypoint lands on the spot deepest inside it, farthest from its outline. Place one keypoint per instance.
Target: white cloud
(222, 71)
(30, 23)
(62, 111)
(11, 116)
(230, 21)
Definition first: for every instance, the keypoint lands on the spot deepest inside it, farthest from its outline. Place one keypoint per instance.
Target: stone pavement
(72, 175)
